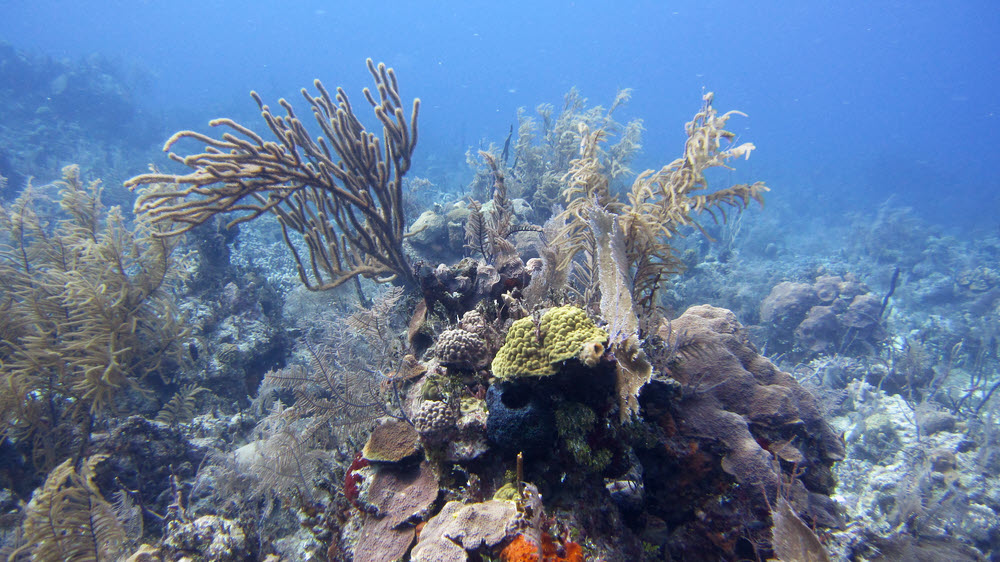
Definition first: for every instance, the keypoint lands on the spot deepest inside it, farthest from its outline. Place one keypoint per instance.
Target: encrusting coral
(400, 493)
(393, 497)
(536, 347)
(523, 549)
(460, 530)
(392, 440)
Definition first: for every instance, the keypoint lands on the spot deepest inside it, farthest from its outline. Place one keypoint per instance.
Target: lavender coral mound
(834, 313)
(461, 349)
(740, 380)
(721, 400)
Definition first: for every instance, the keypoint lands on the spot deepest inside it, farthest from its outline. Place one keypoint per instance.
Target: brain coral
(461, 349)
(434, 418)
(536, 349)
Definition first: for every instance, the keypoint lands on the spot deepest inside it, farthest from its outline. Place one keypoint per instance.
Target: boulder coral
(434, 419)
(461, 349)
(724, 413)
(834, 313)
(536, 347)
(726, 373)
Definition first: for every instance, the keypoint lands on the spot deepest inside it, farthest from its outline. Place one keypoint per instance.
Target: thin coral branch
(660, 202)
(341, 193)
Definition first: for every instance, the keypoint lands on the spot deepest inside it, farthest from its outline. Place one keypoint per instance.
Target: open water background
(849, 103)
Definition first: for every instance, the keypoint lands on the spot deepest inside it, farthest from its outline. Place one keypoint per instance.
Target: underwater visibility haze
(551, 281)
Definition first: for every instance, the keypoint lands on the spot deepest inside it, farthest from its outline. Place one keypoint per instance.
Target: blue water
(847, 105)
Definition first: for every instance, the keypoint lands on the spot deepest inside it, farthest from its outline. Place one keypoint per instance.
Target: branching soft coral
(339, 195)
(68, 519)
(660, 203)
(86, 312)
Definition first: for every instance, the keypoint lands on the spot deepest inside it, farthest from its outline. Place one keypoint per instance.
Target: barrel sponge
(537, 349)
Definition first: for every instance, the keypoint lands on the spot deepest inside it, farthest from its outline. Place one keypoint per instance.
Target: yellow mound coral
(535, 347)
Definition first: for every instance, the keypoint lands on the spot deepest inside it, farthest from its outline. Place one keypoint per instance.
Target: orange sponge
(524, 549)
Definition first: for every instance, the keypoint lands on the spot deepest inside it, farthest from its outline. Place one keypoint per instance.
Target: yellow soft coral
(537, 349)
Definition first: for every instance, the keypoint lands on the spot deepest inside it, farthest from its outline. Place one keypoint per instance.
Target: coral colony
(381, 371)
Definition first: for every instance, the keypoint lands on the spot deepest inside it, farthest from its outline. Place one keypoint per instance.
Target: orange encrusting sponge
(524, 549)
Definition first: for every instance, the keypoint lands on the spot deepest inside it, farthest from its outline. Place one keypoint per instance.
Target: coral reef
(380, 542)
(833, 314)
(918, 490)
(82, 109)
(535, 399)
(543, 152)
(459, 530)
(143, 457)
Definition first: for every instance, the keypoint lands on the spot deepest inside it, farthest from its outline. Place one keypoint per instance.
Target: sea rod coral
(342, 193)
(661, 203)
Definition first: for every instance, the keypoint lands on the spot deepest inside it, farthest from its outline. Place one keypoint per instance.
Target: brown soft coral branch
(660, 202)
(341, 193)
